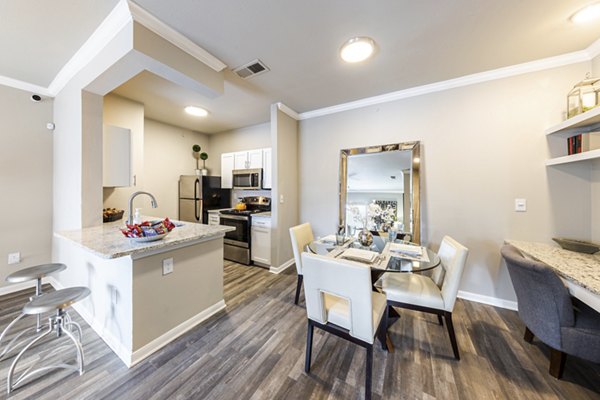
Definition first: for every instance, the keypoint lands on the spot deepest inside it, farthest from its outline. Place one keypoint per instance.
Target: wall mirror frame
(414, 228)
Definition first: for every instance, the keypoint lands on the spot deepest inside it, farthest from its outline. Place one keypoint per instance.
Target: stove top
(240, 212)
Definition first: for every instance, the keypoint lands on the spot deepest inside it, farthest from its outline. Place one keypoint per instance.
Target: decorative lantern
(584, 96)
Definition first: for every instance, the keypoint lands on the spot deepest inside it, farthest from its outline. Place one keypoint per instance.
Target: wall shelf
(586, 122)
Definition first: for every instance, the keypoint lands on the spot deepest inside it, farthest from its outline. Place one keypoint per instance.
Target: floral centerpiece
(380, 218)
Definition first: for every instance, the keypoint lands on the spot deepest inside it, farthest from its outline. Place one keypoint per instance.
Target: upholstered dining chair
(435, 294)
(548, 311)
(340, 300)
(301, 236)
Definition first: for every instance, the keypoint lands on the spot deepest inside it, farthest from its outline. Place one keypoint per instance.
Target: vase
(365, 238)
(204, 171)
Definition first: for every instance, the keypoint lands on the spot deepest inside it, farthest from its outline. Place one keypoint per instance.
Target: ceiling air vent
(252, 68)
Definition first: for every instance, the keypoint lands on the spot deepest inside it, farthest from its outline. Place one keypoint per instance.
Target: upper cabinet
(250, 159)
(586, 122)
(116, 157)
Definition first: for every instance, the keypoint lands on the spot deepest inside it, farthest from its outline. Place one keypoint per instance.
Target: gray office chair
(545, 306)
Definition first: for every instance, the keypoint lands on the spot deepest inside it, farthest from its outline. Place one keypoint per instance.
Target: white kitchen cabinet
(267, 170)
(227, 166)
(213, 218)
(260, 237)
(116, 156)
(249, 159)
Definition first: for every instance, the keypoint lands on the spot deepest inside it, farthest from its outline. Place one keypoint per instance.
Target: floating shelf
(588, 121)
(586, 155)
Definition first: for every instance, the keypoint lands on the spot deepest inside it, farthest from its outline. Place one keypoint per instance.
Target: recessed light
(196, 111)
(586, 14)
(357, 49)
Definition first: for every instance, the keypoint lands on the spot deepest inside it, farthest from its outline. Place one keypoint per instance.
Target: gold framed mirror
(380, 186)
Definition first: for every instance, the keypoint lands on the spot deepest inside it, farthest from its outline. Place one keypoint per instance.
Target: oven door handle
(236, 217)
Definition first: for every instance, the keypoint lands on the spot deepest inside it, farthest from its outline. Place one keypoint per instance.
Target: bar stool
(56, 302)
(28, 274)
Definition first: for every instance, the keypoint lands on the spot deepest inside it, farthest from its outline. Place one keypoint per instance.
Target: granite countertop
(107, 241)
(266, 214)
(582, 269)
(216, 210)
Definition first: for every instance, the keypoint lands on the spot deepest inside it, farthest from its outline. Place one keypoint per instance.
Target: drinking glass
(340, 239)
(392, 235)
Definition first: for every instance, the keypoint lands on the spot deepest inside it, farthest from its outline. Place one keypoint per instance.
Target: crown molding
(118, 18)
(593, 49)
(286, 110)
(467, 80)
(26, 86)
(163, 30)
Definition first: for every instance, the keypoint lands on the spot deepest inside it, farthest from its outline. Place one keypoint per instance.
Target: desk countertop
(582, 269)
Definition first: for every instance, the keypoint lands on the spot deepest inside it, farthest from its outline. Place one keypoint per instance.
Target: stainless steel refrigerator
(198, 194)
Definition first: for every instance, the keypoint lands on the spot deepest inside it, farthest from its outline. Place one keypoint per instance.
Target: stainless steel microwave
(247, 178)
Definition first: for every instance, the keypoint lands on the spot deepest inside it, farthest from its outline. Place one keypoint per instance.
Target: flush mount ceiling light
(196, 111)
(586, 14)
(357, 49)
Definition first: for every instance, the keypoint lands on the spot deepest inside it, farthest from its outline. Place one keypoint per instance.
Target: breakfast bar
(579, 271)
(125, 277)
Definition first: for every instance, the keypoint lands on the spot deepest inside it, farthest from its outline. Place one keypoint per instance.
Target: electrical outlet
(521, 205)
(14, 258)
(167, 266)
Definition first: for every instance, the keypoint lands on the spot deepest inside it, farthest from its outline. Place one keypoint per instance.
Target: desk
(580, 272)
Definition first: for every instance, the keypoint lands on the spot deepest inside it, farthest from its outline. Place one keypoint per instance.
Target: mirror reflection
(379, 190)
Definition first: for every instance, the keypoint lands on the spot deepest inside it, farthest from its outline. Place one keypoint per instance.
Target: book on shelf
(582, 143)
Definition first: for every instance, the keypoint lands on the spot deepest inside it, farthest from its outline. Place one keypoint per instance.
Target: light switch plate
(167, 266)
(520, 205)
(14, 258)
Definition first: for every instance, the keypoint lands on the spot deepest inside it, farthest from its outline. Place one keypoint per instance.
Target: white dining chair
(301, 236)
(340, 300)
(435, 294)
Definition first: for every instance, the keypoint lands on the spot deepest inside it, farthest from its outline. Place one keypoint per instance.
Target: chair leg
(382, 333)
(557, 363)
(450, 326)
(440, 321)
(528, 337)
(298, 287)
(309, 339)
(369, 372)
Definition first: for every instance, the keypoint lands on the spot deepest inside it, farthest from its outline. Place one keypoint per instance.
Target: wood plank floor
(255, 350)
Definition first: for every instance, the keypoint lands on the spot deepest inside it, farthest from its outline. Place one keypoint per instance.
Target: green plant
(196, 149)
(203, 157)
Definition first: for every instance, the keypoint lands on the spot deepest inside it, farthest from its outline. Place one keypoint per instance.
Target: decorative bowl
(144, 239)
(579, 246)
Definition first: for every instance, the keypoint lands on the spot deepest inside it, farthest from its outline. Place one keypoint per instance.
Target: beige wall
(25, 179)
(595, 186)
(167, 155)
(248, 138)
(482, 147)
(284, 136)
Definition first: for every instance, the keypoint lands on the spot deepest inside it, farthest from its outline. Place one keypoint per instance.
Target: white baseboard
(17, 287)
(128, 357)
(492, 301)
(282, 267)
(174, 333)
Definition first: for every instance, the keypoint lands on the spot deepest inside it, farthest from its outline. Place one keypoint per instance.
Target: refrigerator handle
(196, 187)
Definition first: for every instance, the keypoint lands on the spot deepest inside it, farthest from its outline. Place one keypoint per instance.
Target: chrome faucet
(152, 202)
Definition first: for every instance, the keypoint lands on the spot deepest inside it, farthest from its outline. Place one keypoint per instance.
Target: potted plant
(204, 157)
(196, 154)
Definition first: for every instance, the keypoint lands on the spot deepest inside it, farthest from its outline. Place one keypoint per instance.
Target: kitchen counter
(218, 210)
(107, 241)
(266, 214)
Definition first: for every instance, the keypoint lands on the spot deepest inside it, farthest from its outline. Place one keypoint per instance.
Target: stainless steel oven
(247, 178)
(237, 243)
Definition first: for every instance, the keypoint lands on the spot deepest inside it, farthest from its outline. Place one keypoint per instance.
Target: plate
(579, 246)
(149, 238)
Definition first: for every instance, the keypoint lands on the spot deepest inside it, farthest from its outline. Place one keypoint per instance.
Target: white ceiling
(378, 172)
(419, 42)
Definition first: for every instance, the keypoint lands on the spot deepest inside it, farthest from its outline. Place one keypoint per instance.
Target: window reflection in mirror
(379, 189)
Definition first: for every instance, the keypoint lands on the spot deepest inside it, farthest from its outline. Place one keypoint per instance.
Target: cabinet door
(255, 158)
(261, 245)
(116, 156)
(240, 160)
(227, 162)
(267, 171)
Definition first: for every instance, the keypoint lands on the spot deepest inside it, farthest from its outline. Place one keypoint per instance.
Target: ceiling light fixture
(196, 111)
(586, 14)
(357, 49)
